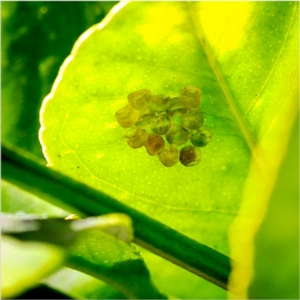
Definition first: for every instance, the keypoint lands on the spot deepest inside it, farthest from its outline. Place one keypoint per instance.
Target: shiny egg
(126, 116)
(190, 156)
(201, 137)
(140, 99)
(169, 156)
(177, 135)
(154, 144)
(190, 96)
(192, 120)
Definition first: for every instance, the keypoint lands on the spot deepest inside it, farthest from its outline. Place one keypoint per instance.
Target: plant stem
(23, 170)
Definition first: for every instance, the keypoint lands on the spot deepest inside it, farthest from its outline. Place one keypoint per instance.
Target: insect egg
(177, 135)
(190, 156)
(146, 119)
(201, 137)
(161, 125)
(169, 156)
(192, 120)
(190, 96)
(176, 108)
(154, 144)
(160, 103)
(140, 99)
(137, 137)
(127, 116)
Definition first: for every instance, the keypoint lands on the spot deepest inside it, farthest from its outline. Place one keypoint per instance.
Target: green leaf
(91, 250)
(276, 261)
(163, 47)
(21, 169)
(16, 201)
(244, 57)
(79, 285)
(23, 264)
(34, 42)
(114, 262)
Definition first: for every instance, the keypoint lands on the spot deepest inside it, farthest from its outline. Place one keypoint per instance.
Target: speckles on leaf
(140, 99)
(190, 156)
(192, 120)
(126, 116)
(154, 144)
(190, 96)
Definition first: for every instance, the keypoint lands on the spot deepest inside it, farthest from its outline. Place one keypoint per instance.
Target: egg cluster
(163, 125)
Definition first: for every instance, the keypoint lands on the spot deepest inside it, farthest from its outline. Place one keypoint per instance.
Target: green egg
(190, 156)
(162, 124)
(160, 103)
(154, 144)
(136, 137)
(190, 96)
(201, 137)
(169, 156)
(126, 116)
(140, 99)
(177, 135)
(192, 120)
(146, 119)
(176, 108)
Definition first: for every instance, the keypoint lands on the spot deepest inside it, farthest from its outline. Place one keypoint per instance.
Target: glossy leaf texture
(244, 57)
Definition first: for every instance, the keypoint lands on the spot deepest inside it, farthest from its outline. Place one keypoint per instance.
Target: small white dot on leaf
(100, 155)
(111, 125)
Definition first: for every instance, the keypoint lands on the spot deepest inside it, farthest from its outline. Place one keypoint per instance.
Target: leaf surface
(31, 262)
(244, 58)
(94, 246)
(277, 240)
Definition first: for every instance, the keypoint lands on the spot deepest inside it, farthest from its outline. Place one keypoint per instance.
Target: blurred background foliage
(36, 38)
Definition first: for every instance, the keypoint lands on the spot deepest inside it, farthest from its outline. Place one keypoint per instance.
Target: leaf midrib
(243, 126)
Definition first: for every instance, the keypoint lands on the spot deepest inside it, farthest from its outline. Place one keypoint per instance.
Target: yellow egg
(137, 137)
(127, 116)
(190, 96)
(160, 103)
(140, 99)
(169, 156)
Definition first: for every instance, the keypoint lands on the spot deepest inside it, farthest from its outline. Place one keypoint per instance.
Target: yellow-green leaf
(244, 57)
(23, 264)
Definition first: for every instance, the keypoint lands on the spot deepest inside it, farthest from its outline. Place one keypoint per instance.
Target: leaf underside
(244, 58)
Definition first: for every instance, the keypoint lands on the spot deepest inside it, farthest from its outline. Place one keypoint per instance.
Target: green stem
(21, 169)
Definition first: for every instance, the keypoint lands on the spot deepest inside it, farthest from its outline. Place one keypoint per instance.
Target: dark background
(36, 39)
